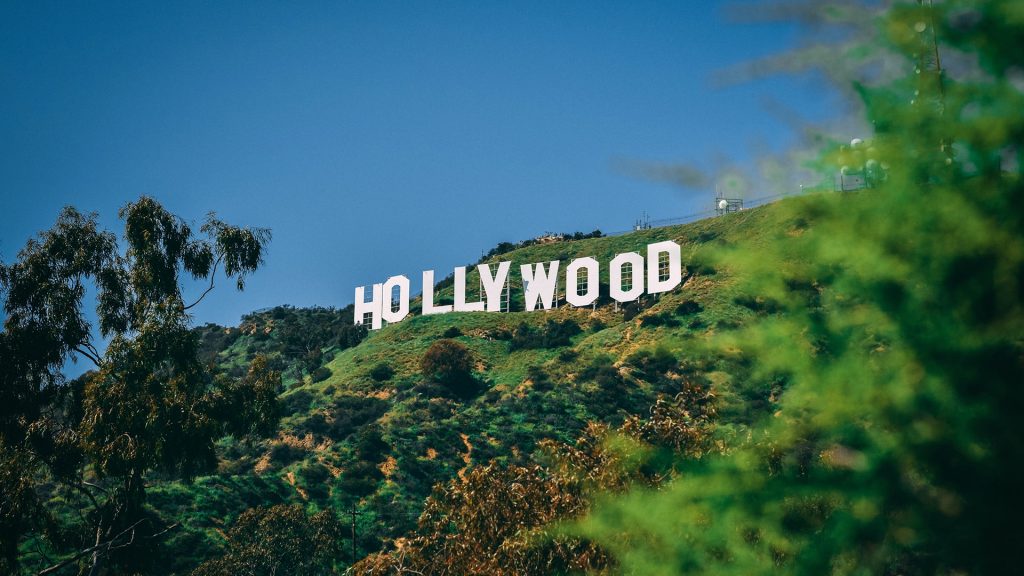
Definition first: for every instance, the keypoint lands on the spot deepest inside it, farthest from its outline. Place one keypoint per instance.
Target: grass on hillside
(380, 444)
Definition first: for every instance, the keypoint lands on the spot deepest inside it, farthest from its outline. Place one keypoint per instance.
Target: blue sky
(375, 138)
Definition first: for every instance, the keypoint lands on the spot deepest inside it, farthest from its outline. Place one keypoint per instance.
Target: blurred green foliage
(895, 327)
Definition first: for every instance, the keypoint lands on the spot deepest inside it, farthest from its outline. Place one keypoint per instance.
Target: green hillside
(364, 429)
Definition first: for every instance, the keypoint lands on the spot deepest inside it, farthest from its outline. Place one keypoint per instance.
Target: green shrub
(524, 337)
(651, 366)
(381, 372)
(297, 402)
(612, 394)
(350, 412)
(688, 307)
(359, 480)
(554, 334)
(315, 424)
(284, 454)
(370, 444)
(663, 319)
(350, 335)
(447, 361)
(539, 377)
(316, 479)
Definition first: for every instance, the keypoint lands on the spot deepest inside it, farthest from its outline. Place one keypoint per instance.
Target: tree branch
(164, 531)
(95, 504)
(96, 486)
(109, 545)
(213, 275)
(88, 345)
(39, 550)
(88, 355)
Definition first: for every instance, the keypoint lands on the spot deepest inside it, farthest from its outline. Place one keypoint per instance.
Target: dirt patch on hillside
(467, 458)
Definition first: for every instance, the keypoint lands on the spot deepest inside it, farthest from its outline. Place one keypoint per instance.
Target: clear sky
(374, 138)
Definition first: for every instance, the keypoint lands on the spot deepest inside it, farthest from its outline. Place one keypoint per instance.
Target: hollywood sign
(663, 266)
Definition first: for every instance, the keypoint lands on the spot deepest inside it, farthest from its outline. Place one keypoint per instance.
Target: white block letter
(494, 285)
(572, 282)
(675, 269)
(428, 296)
(362, 307)
(388, 313)
(460, 293)
(636, 263)
(538, 284)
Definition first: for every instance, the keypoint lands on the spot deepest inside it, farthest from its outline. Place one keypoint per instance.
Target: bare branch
(89, 346)
(96, 486)
(95, 504)
(213, 275)
(39, 550)
(109, 545)
(164, 531)
(95, 359)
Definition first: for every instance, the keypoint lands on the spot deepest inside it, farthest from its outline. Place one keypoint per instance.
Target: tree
(279, 541)
(450, 363)
(896, 445)
(149, 405)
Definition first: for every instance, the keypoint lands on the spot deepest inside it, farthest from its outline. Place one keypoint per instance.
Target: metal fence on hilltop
(646, 224)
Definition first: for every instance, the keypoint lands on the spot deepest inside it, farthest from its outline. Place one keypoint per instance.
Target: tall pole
(353, 534)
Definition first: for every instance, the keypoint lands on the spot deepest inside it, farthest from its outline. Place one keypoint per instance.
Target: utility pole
(354, 514)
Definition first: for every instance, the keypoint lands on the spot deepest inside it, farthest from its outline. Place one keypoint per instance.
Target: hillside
(364, 431)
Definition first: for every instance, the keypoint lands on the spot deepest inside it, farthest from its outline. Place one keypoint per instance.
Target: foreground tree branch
(213, 276)
(104, 546)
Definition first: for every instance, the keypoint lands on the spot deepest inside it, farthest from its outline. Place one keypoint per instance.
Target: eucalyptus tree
(148, 406)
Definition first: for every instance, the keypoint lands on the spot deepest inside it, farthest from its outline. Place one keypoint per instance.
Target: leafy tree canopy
(149, 405)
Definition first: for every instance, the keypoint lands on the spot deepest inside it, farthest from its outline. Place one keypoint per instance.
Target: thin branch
(96, 486)
(39, 550)
(85, 353)
(213, 275)
(92, 349)
(164, 531)
(109, 545)
(95, 504)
